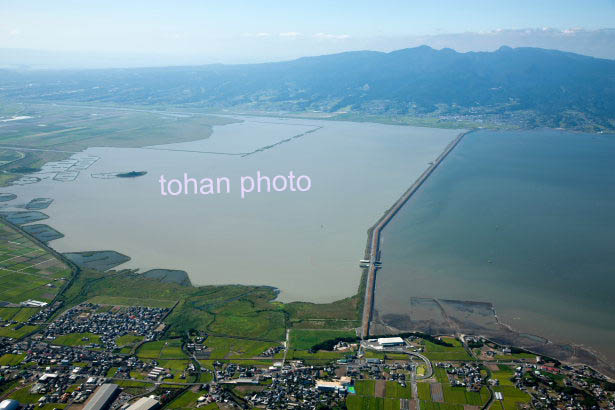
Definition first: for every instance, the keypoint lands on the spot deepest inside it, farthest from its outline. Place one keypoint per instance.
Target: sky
(247, 31)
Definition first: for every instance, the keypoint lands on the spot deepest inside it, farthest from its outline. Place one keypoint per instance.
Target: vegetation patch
(301, 339)
(77, 339)
(11, 359)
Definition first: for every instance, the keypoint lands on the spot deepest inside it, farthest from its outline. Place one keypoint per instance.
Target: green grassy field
(318, 358)
(504, 375)
(345, 309)
(15, 333)
(303, 339)
(441, 353)
(229, 348)
(365, 399)
(188, 400)
(24, 314)
(24, 396)
(512, 396)
(430, 405)
(396, 391)
(226, 311)
(11, 359)
(365, 387)
(452, 395)
(355, 402)
(128, 340)
(515, 356)
(77, 339)
(424, 391)
(27, 271)
(177, 367)
(162, 349)
(321, 324)
(459, 395)
(9, 313)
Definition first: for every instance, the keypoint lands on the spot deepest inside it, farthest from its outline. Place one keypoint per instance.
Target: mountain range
(525, 86)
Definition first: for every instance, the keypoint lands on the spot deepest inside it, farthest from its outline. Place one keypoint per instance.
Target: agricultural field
(512, 396)
(450, 396)
(162, 349)
(11, 359)
(17, 314)
(28, 271)
(424, 391)
(365, 387)
(69, 129)
(77, 339)
(168, 354)
(355, 402)
(395, 390)
(177, 368)
(441, 353)
(17, 331)
(188, 400)
(229, 348)
(369, 397)
(504, 375)
(430, 405)
(128, 340)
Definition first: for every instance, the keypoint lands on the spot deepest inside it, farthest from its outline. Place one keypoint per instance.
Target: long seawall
(374, 245)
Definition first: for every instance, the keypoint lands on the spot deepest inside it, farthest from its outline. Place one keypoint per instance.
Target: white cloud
(14, 32)
(326, 36)
(257, 35)
(290, 34)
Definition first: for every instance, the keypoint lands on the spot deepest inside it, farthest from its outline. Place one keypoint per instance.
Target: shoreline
(508, 335)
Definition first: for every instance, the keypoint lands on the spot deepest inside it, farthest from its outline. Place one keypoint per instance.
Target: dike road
(374, 240)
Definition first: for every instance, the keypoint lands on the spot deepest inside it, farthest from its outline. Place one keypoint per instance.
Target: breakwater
(374, 238)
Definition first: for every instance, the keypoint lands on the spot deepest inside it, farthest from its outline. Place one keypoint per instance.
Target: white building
(390, 341)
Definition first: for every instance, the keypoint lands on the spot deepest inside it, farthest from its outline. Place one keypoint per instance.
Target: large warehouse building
(103, 397)
(390, 341)
(144, 403)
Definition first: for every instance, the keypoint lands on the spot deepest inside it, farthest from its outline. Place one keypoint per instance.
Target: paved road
(286, 345)
(37, 149)
(374, 256)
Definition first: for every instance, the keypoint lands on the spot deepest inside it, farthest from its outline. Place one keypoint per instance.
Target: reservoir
(305, 243)
(524, 220)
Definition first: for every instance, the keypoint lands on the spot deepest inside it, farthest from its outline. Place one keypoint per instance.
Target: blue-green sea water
(522, 219)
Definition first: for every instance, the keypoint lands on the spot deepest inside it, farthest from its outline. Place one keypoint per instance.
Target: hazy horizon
(462, 43)
(67, 34)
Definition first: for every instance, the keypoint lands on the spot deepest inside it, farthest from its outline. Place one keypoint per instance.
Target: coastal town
(98, 357)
